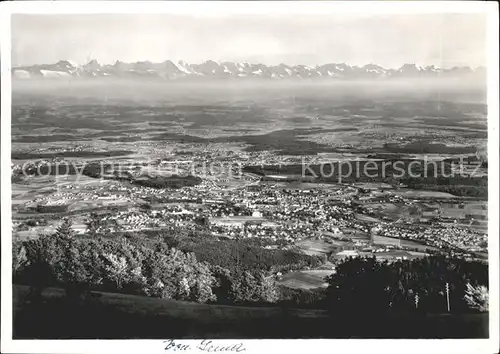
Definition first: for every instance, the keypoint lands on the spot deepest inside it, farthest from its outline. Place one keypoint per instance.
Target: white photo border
(217, 8)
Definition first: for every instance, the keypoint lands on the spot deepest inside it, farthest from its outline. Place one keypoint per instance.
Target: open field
(306, 279)
(382, 240)
(315, 247)
(367, 218)
(310, 279)
(475, 209)
(33, 233)
(422, 194)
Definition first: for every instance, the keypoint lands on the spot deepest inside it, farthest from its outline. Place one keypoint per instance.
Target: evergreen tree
(65, 229)
(477, 297)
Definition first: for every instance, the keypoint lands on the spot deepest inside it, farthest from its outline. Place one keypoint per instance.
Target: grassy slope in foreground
(118, 316)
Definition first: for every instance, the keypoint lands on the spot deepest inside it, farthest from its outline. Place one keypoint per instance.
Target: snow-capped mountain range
(170, 70)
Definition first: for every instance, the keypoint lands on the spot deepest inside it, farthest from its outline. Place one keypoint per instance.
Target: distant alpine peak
(178, 70)
(68, 63)
(92, 64)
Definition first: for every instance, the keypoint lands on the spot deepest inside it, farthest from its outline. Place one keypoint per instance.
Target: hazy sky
(390, 41)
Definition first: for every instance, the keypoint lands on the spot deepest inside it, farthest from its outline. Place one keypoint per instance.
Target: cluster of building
(136, 220)
(254, 209)
(439, 236)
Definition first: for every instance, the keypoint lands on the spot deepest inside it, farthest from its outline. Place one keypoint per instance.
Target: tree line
(435, 284)
(99, 263)
(192, 267)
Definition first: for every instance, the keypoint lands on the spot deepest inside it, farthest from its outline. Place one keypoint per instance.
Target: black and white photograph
(202, 175)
